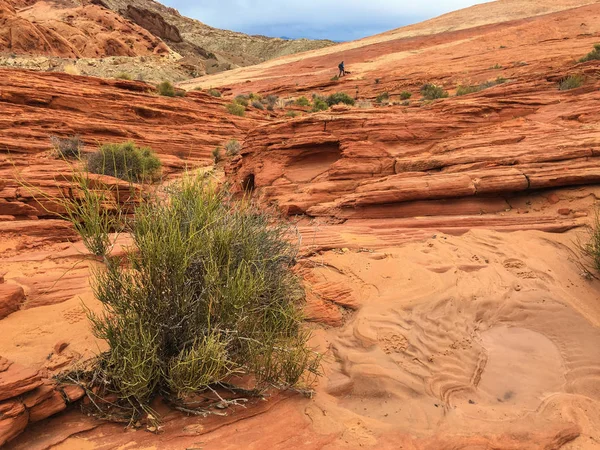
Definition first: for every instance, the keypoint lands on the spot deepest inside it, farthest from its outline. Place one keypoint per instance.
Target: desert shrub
(253, 96)
(241, 100)
(431, 92)
(206, 294)
(339, 97)
(302, 101)
(405, 95)
(232, 147)
(593, 55)
(570, 82)
(125, 161)
(319, 104)
(214, 92)
(384, 97)
(405, 102)
(291, 113)
(464, 90)
(592, 247)
(236, 109)
(69, 147)
(257, 104)
(271, 101)
(166, 88)
(217, 156)
(500, 80)
(123, 76)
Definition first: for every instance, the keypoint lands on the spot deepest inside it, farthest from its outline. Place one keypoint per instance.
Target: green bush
(67, 148)
(592, 248)
(431, 92)
(166, 88)
(236, 109)
(384, 97)
(319, 104)
(241, 100)
(500, 80)
(214, 92)
(271, 101)
(464, 90)
(257, 104)
(232, 147)
(205, 297)
(123, 76)
(217, 157)
(571, 82)
(339, 97)
(405, 95)
(302, 101)
(291, 113)
(593, 55)
(125, 161)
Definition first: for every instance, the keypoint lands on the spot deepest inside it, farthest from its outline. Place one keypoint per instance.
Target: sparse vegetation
(464, 90)
(405, 95)
(214, 92)
(405, 102)
(339, 97)
(496, 66)
(232, 147)
(123, 76)
(166, 89)
(431, 92)
(302, 101)
(271, 101)
(470, 89)
(593, 55)
(319, 104)
(236, 109)
(125, 161)
(257, 104)
(592, 248)
(291, 113)
(241, 100)
(364, 104)
(382, 98)
(217, 156)
(205, 297)
(571, 82)
(67, 148)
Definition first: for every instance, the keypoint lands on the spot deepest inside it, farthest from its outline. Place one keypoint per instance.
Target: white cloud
(346, 18)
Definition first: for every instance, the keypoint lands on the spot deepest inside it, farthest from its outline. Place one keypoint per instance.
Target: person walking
(342, 70)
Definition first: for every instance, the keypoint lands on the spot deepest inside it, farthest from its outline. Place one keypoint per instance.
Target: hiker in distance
(342, 70)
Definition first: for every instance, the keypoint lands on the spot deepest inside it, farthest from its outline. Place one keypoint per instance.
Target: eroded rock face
(26, 397)
(154, 23)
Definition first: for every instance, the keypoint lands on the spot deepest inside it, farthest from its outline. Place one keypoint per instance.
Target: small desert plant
(496, 66)
(339, 97)
(291, 113)
(125, 161)
(570, 82)
(257, 104)
(592, 248)
(67, 148)
(405, 95)
(464, 90)
(232, 147)
(271, 101)
(206, 296)
(364, 104)
(166, 89)
(384, 97)
(236, 109)
(214, 92)
(217, 156)
(241, 100)
(405, 103)
(302, 101)
(593, 55)
(253, 96)
(431, 92)
(500, 80)
(335, 78)
(123, 76)
(319, 104)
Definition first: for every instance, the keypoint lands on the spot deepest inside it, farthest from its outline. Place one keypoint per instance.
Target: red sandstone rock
(60, 346)
(16, 380)
(564, 211)
(11, 298)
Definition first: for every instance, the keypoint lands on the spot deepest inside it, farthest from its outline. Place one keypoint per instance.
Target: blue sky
(327, 19)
